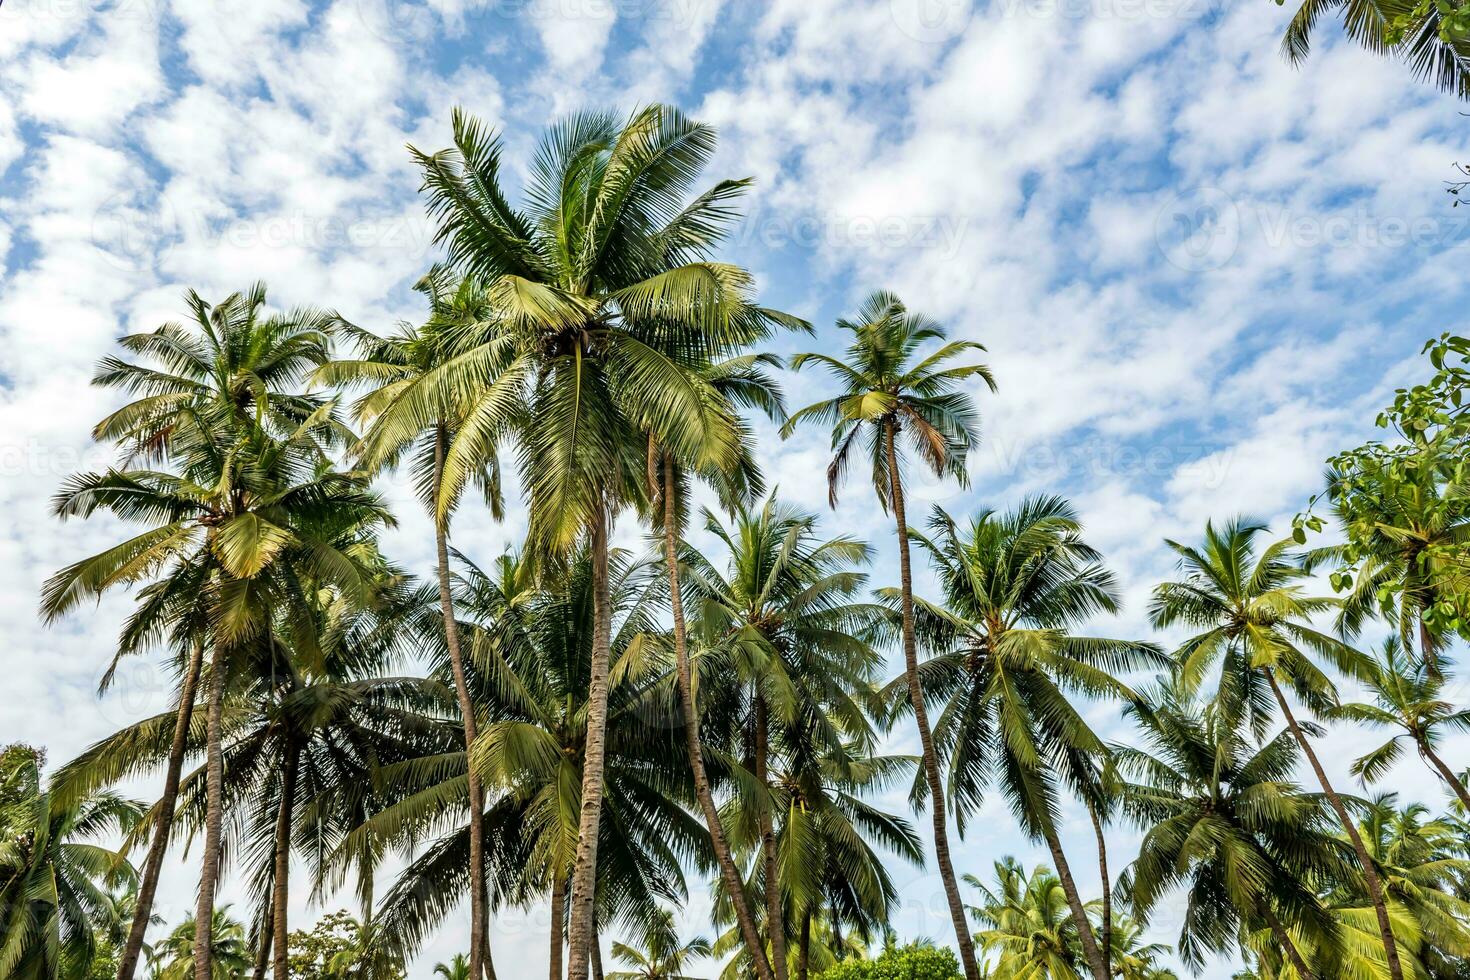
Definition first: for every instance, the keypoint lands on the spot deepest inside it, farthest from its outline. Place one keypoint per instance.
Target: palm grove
(595, 731)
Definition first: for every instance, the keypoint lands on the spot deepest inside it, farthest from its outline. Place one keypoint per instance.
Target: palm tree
(456, 969)
(1408, 698)
(244, 523)
(391, 365)
(1026, 921)
(594, 343)
(1014, 586)
(1429, 38)
(229, 951)
(663, 956)
(888, 392)
(783, 643)
(742, 380)
(1254, 617)
(55, 870)
(231, 368)
(1134, 959)
(1222, 818)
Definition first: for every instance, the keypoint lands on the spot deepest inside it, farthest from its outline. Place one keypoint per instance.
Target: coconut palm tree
(1026, 921)
(1248, 602)
(663, 956)
(1014, 585)
(228, 947)
(783, 650)
(595, 343)
(389, 366)
(1429, 38)
(232, 367)
(894, 400)
(245, 520)
(743, 381)
(55, 870)
(1222, 818)
(1408, 698)
(456, 969)
(1134, 959)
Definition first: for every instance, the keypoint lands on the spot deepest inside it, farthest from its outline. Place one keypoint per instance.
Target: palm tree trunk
(263, 953)
(1370, 874)
(729, 873)
(558, 904)
(1107, 890)
(775, 921)
(584, 870)
(1284, 938)
(921, 718)
(214, 777)
(153, 864)
(1427, 648)
(1445, 773)
(804, 954)
(280, 889)
(596, 951)
(479, 923)
(1090, 952)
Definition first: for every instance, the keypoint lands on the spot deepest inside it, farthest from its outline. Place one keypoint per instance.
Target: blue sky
(1197, 270)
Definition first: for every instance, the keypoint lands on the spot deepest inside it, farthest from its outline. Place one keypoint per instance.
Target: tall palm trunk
(1090, 952)
(1445, 772)
(479, 920)
(214, 776)
(558, 905)
(1107, 889)
(280, 887)
(921, 717)
(1284, 938)
(804, 952)
(775, 921)
(597, 973)
(489, 960)
(1370, 874)
(153, 864)
(1428, 649)
(584, 870)
(263, 952)
(729, 873)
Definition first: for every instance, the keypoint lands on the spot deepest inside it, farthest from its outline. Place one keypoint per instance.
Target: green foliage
(916, 961)
(339, 947)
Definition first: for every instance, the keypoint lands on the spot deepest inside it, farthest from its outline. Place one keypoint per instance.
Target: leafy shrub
(912, 962)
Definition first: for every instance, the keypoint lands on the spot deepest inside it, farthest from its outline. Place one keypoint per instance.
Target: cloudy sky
(1196, 269)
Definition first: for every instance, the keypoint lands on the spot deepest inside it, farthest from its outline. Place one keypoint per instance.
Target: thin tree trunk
(153, 864)
(558, 904)
(214, 777)
(775, 921)
(263, 953)
(1090, 952)
(1446, 773)
(280, 887)
(1370, 874)
(1107, 890)
(921, 718)
(584, 870)
(1428, 648)
(479, 922)
(596, 951)
(729, 873)
(1284, 938)
(804, 954)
